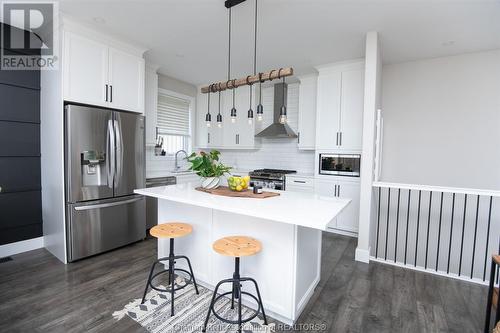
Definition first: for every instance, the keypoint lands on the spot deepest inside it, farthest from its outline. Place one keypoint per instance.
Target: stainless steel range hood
(276, 129)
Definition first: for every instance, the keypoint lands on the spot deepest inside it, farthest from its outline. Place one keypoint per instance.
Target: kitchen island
(288, 226)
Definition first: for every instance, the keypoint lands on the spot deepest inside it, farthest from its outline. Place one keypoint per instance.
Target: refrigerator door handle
(110, 153)
(119, 151)
(109, 204)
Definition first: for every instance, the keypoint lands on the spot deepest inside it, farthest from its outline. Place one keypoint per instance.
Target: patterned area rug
(190, 312)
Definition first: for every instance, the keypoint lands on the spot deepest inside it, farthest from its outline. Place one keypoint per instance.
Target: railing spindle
(475, 236)
(387, 223)
(486, 254)
(428, 227)
(451, 232)
(378, 221)
(407, 223)
(439, 232)
(418, 226)
(462, 242)
(397, 227)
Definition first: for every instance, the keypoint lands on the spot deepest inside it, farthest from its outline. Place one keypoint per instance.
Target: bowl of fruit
(237, 183)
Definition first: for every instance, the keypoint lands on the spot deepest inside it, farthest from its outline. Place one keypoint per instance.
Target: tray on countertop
(226, 191)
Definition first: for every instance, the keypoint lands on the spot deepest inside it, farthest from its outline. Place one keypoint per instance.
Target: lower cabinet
(348, 220)
(299, 184)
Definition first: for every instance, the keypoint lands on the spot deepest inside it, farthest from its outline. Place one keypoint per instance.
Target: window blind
(172, 115)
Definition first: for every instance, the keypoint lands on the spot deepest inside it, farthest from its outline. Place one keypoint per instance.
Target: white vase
(210, 183)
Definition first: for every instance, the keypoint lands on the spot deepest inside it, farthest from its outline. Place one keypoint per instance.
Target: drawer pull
(299, 181)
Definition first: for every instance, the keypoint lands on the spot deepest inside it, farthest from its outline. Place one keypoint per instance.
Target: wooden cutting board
(225, 191)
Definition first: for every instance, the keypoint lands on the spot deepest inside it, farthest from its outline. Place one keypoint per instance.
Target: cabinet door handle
(335, 190)
(106, 93)
(338, 191)
(299, 181)
(337, 143)
(208, 137)
(111, 94)
(298, 137)
(340, 138)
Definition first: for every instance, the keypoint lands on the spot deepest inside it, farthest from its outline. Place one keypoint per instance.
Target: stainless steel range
(269, 178)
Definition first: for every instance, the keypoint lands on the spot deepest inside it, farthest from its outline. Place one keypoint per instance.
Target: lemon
(239, 188)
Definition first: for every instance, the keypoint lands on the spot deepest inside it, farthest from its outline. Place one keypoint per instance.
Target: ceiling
(188, 38)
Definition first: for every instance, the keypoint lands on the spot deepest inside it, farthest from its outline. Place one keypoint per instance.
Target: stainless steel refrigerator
(104, 163)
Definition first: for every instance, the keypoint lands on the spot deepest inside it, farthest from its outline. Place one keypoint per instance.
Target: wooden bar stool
(170, 230)
(236, 246)
(492, 294)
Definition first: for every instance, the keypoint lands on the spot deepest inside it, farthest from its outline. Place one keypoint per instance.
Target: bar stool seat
(171, 231)
(236, 246)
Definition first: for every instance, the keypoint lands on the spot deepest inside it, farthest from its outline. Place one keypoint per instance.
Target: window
(174, 122)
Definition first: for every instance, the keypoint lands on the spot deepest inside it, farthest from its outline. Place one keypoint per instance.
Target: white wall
(442, 121)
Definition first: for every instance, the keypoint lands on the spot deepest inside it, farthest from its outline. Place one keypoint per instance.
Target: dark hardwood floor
(39, 294)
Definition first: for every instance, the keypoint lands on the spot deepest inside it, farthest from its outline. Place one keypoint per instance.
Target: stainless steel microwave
(339, 164)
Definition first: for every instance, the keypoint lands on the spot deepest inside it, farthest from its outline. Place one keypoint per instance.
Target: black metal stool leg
(148, 282)
(210, 308)
(238, 288)
(171, 263)
(192, 274)
(260, 300)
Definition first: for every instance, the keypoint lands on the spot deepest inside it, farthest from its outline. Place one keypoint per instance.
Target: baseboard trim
(362, 255)
(21, 246)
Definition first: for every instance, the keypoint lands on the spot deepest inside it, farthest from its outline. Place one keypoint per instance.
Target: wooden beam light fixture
(249, 80)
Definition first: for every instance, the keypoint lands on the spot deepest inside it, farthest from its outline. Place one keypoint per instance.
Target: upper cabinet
(96, 73)
(307, 112)
(150, 104)
(339, 119)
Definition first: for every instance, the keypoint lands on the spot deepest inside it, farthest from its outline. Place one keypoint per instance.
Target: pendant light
(250, 111)
(283, 118)
(208, 116)
(260, 108)
(219, 116)
(233, 109)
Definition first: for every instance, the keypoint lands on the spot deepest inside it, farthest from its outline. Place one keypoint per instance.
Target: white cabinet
(150, 104)
(339, 116)
(348, 220)
(307, 112)
(126, 81)
(97, 74)
(296, 183)
(85, 70)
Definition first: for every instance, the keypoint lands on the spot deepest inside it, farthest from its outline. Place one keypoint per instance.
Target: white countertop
(300, 174)
(304, 209)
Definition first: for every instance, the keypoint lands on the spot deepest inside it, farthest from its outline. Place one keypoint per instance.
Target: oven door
(340, 164)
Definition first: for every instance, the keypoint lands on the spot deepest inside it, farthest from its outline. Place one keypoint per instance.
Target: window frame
(192, 108)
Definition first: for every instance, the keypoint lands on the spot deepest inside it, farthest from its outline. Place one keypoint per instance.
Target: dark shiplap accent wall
(20, 199)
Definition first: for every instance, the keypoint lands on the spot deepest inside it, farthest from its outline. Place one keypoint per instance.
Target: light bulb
(282, 119)
(219, 125)
(250, 121)
(259, 117)
(208, 124)
(233, 120)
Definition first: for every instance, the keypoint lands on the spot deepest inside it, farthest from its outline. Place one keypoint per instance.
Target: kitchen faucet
(177, 167)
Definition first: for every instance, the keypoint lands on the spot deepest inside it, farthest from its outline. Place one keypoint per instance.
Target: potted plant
(207, 166)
